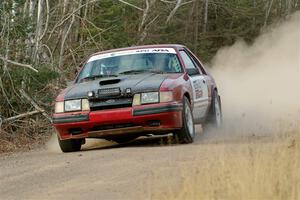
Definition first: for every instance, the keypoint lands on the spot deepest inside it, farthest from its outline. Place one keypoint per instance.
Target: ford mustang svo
(122, 94)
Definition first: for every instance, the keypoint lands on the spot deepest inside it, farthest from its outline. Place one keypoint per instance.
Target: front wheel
(187, 133)
(70, 145)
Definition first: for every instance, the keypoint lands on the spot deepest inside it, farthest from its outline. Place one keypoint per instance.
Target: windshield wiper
(133, 71)
(141, 71)
(96, 77)
(156, 71)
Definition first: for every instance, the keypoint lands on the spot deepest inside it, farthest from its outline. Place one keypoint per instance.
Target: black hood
(137, 83)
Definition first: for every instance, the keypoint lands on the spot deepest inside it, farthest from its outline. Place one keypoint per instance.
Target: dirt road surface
(146, 169)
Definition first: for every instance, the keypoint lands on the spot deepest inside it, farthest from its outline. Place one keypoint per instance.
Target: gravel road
(144, 169)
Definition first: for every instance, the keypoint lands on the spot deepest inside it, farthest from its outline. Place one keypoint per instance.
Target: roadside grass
(250, 171)
(30, 137)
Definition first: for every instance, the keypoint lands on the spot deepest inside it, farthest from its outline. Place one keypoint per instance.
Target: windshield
(107, 66)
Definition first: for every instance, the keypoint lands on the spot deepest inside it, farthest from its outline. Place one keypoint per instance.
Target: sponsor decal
(198, 89)
(131, 52)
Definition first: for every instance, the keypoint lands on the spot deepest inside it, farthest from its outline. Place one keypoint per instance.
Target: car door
(199, 86)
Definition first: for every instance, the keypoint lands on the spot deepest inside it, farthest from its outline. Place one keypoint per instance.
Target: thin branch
(88, 21)
(35, 105)
(19, 116)
(68, 17)
(18, 64)
(171, 2)
(129, 4)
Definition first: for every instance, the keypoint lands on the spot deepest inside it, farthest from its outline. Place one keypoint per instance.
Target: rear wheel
(215, 116)
(187, 133)
(70, 145)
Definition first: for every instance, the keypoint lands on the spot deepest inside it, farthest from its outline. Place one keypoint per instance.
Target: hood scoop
(109, 82)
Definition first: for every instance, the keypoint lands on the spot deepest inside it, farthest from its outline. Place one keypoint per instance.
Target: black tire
(124, 139)
(186, 134)
(215, 117)
(70, 145)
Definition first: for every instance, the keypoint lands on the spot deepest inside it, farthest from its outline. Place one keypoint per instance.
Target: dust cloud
(260, 83)
(53, 146)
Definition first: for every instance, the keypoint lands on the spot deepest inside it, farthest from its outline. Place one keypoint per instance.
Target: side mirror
(193, 71)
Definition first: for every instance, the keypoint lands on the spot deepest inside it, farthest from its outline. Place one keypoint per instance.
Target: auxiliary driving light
(90, 94)
(128, 91)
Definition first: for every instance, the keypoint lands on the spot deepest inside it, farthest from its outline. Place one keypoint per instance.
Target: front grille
(102, 104)
(109, 92)
(111, 126)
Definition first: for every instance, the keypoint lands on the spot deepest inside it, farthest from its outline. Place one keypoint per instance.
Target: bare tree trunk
(172, 13)
(196, 26)
(38, 31)
(65, 33)
(254, 18)
(84, 17)
(29, 40)
(189, 21)
(205, 16)
(143, 27)
(288, 7)
(145, 14)
(78, 21)
(268, 10)
(6, 47)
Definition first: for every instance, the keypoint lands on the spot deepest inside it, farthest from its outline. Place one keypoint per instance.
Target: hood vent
(109, 82)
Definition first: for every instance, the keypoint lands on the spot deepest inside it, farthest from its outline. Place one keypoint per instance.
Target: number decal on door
(198, 89)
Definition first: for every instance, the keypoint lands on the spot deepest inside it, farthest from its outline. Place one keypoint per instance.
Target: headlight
(166, 96)
(59, 107)
(145, 98)
(152, 97)
(73, 105)
(149, 97)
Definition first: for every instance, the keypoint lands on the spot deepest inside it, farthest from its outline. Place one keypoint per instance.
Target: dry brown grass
(24, 135)
(253, 171)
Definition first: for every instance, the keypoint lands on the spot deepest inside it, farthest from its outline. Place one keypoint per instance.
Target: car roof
(175, 46)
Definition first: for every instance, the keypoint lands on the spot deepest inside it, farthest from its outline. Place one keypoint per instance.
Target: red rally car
(122, 94)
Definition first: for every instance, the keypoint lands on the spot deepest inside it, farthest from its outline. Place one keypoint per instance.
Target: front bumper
(153, 118)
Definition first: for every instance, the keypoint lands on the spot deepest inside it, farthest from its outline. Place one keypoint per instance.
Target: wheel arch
(188, 96)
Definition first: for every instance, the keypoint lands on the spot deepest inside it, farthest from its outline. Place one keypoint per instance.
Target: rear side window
(197, 63)
(189, 64)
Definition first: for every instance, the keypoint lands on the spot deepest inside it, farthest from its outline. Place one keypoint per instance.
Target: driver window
(187, 61)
